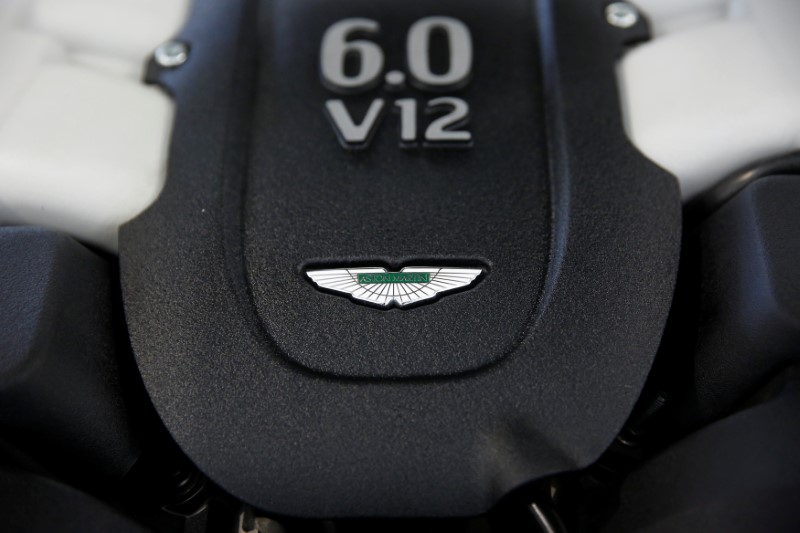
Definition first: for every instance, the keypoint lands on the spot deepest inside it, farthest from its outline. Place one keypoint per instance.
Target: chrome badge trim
(380, 287)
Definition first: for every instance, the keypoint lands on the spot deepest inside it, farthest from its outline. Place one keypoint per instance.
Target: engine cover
(342, 311)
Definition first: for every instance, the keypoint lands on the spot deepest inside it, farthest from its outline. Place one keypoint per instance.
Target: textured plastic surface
(274, 390)
(741, 298)
(34, 503)
(704, 99)
(310, 203)
(738, 475)
(59, 379)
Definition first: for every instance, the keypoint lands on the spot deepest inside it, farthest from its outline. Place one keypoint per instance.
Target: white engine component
(30, 52)
(669, 16)
(124, 28)
(83, 143)
(718, 88)
(83, 152)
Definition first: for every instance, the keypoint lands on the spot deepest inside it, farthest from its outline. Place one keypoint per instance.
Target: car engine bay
(357, 266)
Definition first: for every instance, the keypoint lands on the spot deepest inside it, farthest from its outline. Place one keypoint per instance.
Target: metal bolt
(172, 54)
(622, 14)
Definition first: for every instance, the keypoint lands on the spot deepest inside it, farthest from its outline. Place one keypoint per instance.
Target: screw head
(622, 14)
(171, 54)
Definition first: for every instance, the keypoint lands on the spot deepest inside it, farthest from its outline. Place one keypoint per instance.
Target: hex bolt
(171, 54)
(622, 14)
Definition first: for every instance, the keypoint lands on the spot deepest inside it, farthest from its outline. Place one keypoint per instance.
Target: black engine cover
(305, 403)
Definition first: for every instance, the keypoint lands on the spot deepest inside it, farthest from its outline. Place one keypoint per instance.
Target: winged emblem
(381, 287)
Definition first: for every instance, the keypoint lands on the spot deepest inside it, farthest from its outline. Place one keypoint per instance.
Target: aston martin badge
(379, 287)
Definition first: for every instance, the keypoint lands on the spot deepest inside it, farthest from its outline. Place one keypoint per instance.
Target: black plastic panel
(33, 503)
(60, 384)
(739, 316)
(712, 199)
(304, 403)
(309, 202)
(740, 474)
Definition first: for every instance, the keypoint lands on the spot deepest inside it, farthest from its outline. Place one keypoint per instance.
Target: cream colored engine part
(717, 88)
(83, 142)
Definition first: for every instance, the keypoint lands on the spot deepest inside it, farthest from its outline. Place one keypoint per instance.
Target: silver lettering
(350, 134)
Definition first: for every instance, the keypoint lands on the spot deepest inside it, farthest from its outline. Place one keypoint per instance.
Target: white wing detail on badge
(380, 287)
